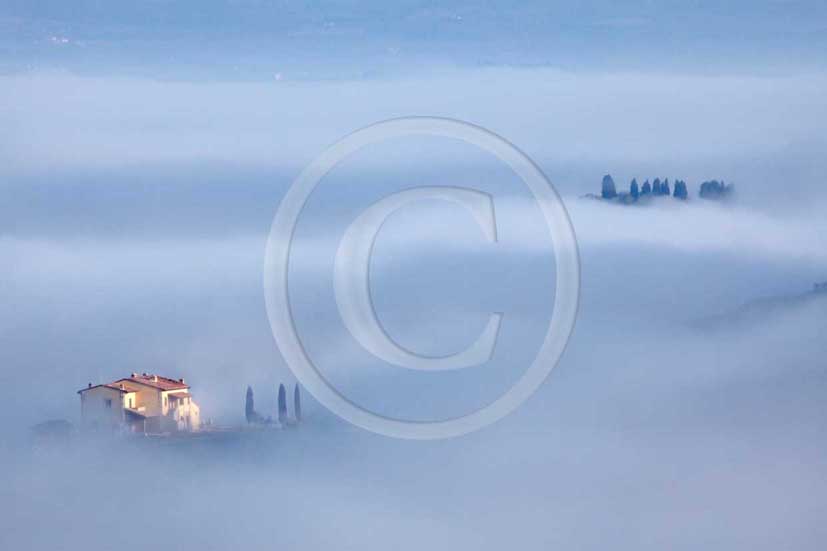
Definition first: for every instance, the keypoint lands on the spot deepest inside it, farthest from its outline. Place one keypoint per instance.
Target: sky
(148, 145)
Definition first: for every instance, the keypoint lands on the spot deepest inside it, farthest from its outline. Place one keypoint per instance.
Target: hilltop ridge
(710, 189)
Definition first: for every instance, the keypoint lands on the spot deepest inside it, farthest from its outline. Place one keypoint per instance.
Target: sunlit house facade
(142, 403)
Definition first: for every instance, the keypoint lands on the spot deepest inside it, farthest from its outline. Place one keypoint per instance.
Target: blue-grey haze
(145, 146)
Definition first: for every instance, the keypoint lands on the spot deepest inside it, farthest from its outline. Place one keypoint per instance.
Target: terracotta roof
(113, 386)
(155, 381)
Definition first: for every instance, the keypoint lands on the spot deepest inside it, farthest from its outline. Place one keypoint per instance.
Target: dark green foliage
(297, 403)
(249, 406)
(282, 404)
(608, 190)
(680, 190)
(713, 189)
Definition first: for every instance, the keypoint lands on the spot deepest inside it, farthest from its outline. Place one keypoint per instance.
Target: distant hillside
(760, 310)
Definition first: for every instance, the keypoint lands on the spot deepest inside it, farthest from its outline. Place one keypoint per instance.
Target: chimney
(155, 378)
(181, 380)
(89, 386)
(134, 375)
(144, 373)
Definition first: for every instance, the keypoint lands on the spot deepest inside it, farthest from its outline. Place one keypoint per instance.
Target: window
(108, 403)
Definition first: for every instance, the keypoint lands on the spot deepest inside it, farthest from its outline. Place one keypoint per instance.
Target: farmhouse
(142, 403)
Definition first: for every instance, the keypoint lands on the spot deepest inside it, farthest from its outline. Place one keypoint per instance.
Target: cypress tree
(249, 406)
(297, 403)
(680, 190)
(634, 191)
(608, 190)
(282, 404)
(647, 188)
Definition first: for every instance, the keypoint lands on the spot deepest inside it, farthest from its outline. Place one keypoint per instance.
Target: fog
(133, 222)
